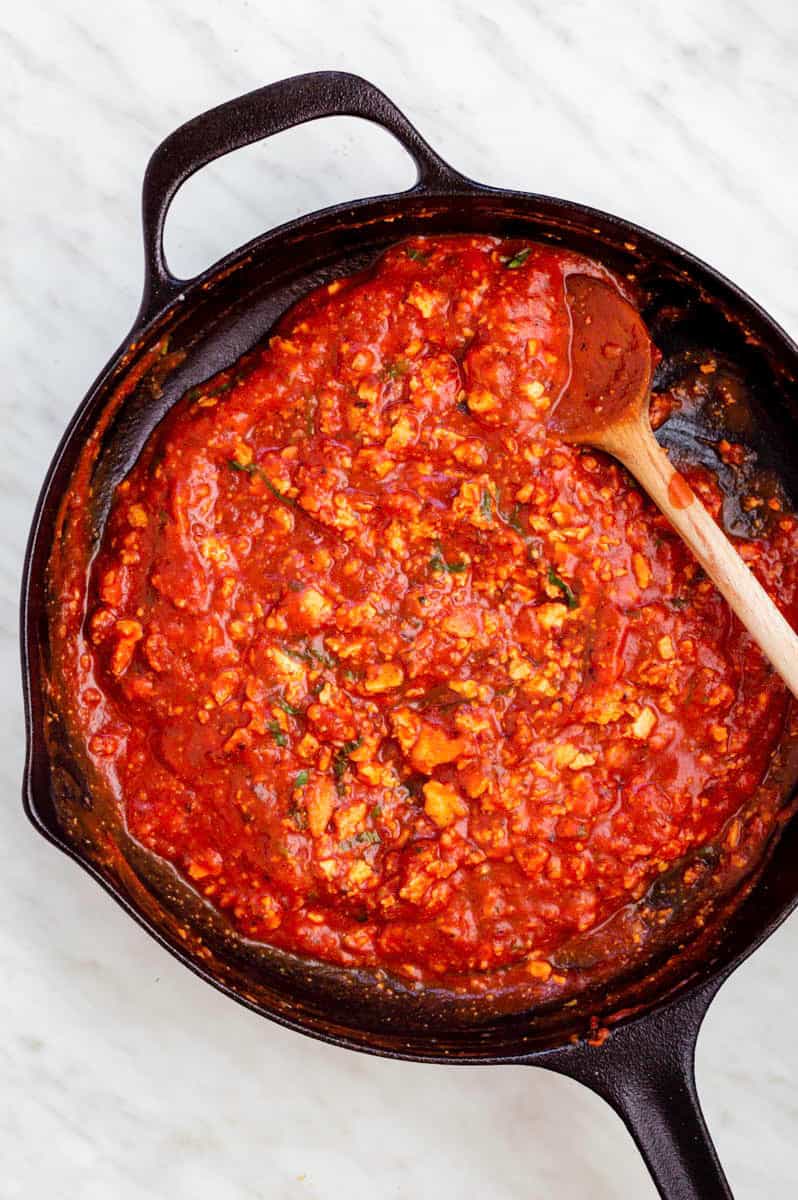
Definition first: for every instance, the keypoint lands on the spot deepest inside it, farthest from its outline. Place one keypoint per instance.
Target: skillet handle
(249, 119)
(645, 1071)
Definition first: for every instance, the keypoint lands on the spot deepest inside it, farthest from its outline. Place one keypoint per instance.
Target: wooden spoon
(605, 404)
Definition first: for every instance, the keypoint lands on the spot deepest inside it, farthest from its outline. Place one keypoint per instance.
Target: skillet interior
(221, 315)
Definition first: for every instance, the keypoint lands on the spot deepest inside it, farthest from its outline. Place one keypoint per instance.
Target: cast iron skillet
(644, 1068)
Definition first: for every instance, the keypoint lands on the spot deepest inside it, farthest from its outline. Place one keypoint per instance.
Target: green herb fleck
(513, 519)
(340, 763)
(277, 733)
(486, 506)
(376, 811)
(275, 492)
(438, 563)
(369, 837)
(323, 656)
(396, 369)
(568, 593)
(519, 259)
(301, 780)
(299, 817)
(416, 255)
(311, 656)
(282, 703)
(253, 469)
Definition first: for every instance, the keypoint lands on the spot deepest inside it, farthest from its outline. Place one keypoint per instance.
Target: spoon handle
(637, 448)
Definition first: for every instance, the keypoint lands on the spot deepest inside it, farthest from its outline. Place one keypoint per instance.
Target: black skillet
(644, 1068)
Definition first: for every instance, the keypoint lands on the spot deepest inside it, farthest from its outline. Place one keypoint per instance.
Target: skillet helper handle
(646, 1071)
(255, 116)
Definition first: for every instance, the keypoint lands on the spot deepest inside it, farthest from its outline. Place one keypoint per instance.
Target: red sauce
(391, 674)
(680, 493)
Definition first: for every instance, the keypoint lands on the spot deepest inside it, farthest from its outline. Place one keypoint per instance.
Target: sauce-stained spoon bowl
(606, 405)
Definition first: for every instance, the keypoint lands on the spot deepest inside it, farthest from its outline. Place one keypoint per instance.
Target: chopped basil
(285, 499)
(282, 703)
(250, 468)
(396, 369)
(513, 520)
(340, 762)
(519, 259)
(311, 656)
(253, 469)
(369, 837)
(416, 255)
(486, 506)
(323, 656)
(301, 779)
(299, 817)
(277, 733)
(438, 563)
(202, 389)
(568, 593)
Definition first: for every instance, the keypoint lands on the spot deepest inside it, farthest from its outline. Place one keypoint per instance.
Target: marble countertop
(122, 1074)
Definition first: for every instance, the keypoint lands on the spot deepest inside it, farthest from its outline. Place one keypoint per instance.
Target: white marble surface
(123, 1076)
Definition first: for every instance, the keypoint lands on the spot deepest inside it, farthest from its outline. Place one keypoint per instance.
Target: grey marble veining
(121, 1074)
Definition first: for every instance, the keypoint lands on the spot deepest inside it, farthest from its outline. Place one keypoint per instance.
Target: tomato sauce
(392, 675)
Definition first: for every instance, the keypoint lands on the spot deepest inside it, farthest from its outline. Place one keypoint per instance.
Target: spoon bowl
(605, 404)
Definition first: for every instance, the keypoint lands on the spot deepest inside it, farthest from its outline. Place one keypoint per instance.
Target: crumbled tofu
(551, 616)
(665, 649)
(224, 685)
(642, 570)
(383, 677)
(644, 724)
(314, 607)
(137, 516)
(359, 873)
(581, 761)
(442, 803)
(462, 622)
(319, 798)
(427, 302)
(433, 748)
(482, 401)
(539, 969)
